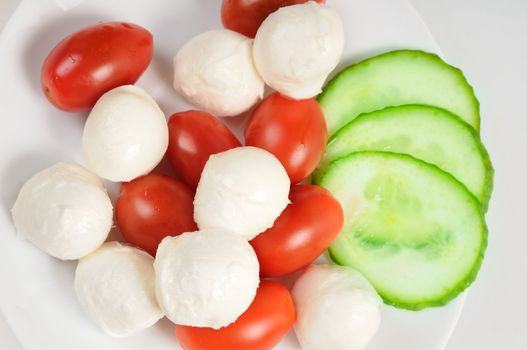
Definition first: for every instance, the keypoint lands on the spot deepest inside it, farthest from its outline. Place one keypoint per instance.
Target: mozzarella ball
(215, 71)
(64, 210)
(337, 309)
(242, 190)
(126, 134)
(297, 47)
(115, 287)
(205, 278)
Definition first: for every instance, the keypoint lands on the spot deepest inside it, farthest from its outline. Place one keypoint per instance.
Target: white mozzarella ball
(115, 287)
(242, 190)
(297, 47)
(64, 210)
(205, 278)
(126, 134)
(215, 71)
(336, 307)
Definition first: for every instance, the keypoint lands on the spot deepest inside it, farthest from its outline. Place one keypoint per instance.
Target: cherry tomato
(86, 64)
(293, 130)
(301, 233)
(193, 137)
(245, 16)
(268, 319)
(152, 207)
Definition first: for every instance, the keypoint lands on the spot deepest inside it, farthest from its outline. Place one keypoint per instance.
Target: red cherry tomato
(293, 130)
(301, 233)
(86, 64)
(152, 207)
(245, 16)
(268, 319)
(193, 137)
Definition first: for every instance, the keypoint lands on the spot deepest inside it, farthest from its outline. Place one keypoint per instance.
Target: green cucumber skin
(447, 298)
(484, 192)
(341, 78)
(469, 278)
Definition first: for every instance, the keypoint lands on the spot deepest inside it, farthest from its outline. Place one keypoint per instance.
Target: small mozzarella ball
(126, 134)
(64, 210)
(297, 47)
(337, 309)
(215, 71)
(242, 190)
(205, 278)
(115, 287)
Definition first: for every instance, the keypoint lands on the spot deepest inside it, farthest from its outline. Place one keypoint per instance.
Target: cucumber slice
(427, 133)
(414, 231)
(397, 78)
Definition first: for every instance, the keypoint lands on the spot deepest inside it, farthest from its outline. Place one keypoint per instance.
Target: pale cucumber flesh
(414, 231)
(424, 132)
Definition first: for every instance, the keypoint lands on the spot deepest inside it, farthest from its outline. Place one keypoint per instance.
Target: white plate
(36, 292)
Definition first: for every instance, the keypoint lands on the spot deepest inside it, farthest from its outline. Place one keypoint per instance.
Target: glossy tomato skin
(262, 326)
(306, 228)
(293, 130)
(193, 137)
(152, 207)
(245, 16)
(88, 63)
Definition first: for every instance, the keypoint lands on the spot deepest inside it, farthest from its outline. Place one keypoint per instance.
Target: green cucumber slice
(424, 132)
(397, 78)
(414, 231)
